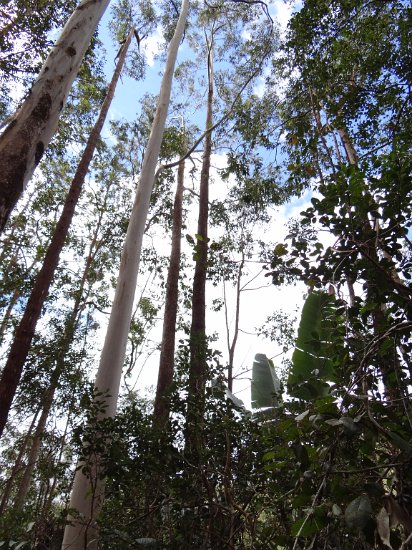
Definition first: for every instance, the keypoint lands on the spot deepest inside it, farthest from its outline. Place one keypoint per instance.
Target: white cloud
(152, 46)
(282, 10)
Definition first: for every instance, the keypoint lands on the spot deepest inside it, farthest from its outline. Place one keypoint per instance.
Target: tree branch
(212, 128)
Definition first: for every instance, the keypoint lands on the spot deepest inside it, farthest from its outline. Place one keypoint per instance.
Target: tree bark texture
(26, 137)
(198, 343)
(87, 494)
(25, 331)
(167, 351)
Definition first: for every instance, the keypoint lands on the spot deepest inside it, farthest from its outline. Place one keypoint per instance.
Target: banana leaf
(312, 367)
(266, 388)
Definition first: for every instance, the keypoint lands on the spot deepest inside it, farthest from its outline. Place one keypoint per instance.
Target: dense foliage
(323, 460)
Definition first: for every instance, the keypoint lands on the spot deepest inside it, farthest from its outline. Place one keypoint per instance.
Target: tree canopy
(268, 166)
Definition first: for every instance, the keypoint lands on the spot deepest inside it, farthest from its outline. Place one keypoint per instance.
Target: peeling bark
(24, 140)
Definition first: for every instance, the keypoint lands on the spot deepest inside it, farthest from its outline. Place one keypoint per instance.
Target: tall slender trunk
(349, 149)
(24, 140)
(198, 342)
(320, 128)
(17, 465)
(88, 492)
(167, 351)
(63, 347)
(25, 331)
(34, 450)
(351, 290)
(232, 345)
(63, 445)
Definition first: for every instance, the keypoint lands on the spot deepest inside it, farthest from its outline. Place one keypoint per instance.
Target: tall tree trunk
(198, 342)
(167, 351)
(63, 447)
(62, 347)
(34, 450)
(88, 493)
(25, 331)
(17, 465)
(232, 345)
(24, 140)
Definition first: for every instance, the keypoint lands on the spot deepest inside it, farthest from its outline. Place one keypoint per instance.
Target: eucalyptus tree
(222, 23)
(59, 363)
(18, 352)
(87, 493)
(198, 342)
(167, 351)
(86, 297)
(31, 128)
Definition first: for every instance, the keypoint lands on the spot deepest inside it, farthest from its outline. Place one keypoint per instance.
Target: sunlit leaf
(311, 365)
(265, 386)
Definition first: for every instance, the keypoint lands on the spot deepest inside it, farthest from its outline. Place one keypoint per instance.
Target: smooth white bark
(28, 134)
(112, 358)
(87, 495)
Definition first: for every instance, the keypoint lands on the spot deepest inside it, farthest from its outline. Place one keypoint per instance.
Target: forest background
(262, 123)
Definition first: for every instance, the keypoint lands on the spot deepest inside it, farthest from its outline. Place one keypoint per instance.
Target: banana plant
(266, 388)
(312, 368)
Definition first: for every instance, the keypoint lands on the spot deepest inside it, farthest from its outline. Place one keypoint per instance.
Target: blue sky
(255, 305)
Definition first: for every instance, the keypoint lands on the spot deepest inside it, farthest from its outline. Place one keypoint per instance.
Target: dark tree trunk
(198, 342)
(167, 352)
(232, 346)
(25, 331)
(63, 347)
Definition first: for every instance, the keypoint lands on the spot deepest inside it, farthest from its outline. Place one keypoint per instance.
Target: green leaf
(301, 454)
(336, 510)
(311, 364)
(265, 387)
(280, 249)
(349, 426)
(334, 422)
(383, 527)
(302, 416)
(359, 513)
